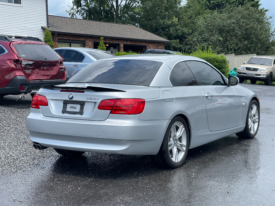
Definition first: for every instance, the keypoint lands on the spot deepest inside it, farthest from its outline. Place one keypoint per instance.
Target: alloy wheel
(253, 120)
(177, 141)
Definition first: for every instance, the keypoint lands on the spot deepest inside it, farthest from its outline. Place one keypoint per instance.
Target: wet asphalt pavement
(229, 171)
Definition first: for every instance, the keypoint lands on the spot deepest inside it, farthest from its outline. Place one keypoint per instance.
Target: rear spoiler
(92, 88)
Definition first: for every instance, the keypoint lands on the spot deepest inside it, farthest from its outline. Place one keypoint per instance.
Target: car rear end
(30, 65)
(101, 109)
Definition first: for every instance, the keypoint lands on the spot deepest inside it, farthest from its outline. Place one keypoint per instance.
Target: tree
(48, 38)
(239, 30)
(101, 44)
(161, 18)
(119, 11)
(220, 4)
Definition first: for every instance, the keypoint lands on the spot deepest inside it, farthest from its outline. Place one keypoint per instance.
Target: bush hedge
(125, 53)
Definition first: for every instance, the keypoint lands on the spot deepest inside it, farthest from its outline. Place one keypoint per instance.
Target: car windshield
(260, 61)
(99, 55)
(38, 52)
(118, 71)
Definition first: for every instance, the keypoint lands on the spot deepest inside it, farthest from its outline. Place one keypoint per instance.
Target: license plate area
(73, 107)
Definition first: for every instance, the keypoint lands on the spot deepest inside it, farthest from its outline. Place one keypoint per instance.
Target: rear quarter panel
(7, 72)
(173, 101)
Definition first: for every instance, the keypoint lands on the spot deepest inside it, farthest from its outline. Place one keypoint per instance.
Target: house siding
(23, 20)
(89, 41)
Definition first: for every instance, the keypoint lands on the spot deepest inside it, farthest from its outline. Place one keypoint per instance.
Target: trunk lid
(43, 70)
(71, 104)
(39, 61)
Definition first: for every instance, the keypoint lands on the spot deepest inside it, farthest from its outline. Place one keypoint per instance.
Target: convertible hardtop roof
(158, 57)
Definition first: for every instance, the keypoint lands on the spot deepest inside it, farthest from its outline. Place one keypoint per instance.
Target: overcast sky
(59, 8)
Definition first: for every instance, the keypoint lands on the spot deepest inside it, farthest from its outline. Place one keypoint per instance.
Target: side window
(205, 74)
(182, 76)
(59, 51)
(80, 57)
(71, 56)
(2, 50)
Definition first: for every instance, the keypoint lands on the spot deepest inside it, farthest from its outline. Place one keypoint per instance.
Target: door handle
(75, 66)
(208, 95)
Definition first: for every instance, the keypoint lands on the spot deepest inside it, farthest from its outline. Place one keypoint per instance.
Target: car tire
(241, 80)
(69, 153)
(175, 145)
(252, 121)
(253, 81)
(268, 81)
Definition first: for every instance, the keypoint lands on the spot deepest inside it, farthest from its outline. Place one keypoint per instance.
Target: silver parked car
(161, 105)
(76, 58)
(260, 68)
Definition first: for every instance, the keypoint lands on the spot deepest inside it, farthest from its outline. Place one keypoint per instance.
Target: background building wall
(23, 20)
(89, 41)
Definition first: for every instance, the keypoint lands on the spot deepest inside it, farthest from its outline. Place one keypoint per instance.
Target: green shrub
(218, 61)
(48, 38)
(125, 53)
(101, 44)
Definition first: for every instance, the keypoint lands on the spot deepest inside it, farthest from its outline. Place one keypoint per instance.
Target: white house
(21, 18)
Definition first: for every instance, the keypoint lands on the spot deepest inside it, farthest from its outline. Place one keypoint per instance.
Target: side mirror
(244, 62)
(233, 81)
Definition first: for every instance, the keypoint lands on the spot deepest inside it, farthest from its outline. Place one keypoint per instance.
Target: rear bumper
(115, 136)
(14, 86)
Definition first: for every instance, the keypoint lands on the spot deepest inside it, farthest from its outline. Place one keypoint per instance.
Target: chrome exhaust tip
(38, 146)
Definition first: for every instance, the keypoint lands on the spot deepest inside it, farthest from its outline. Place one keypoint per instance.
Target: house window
(11, 1)
(70, 44)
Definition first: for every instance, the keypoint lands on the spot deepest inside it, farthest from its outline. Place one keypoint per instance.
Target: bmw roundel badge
(70, 96)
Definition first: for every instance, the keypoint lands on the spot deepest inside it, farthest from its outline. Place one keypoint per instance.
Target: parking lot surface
(229, 171)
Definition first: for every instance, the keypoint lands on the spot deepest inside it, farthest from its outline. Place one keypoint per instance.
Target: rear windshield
(99, 55)
(122, 71)
(36, 52)
(260, 61)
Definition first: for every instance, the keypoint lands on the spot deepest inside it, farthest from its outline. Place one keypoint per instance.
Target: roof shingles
(96, 28)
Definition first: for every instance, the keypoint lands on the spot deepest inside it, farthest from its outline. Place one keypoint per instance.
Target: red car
(26, 65)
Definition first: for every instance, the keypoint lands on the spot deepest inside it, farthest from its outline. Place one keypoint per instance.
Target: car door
(188, 96)
(223, 103)
(73, 61)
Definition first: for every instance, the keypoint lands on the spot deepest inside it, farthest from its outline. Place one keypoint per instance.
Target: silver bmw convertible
(161, 105)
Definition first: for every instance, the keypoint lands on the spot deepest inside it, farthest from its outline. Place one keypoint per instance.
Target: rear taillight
(123, 106)
(107, 104)
(39, 100)
(14, 63)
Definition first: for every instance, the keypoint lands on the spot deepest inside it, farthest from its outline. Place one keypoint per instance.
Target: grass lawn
(258, 82)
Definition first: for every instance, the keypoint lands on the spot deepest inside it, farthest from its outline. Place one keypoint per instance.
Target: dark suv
(27, 64)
